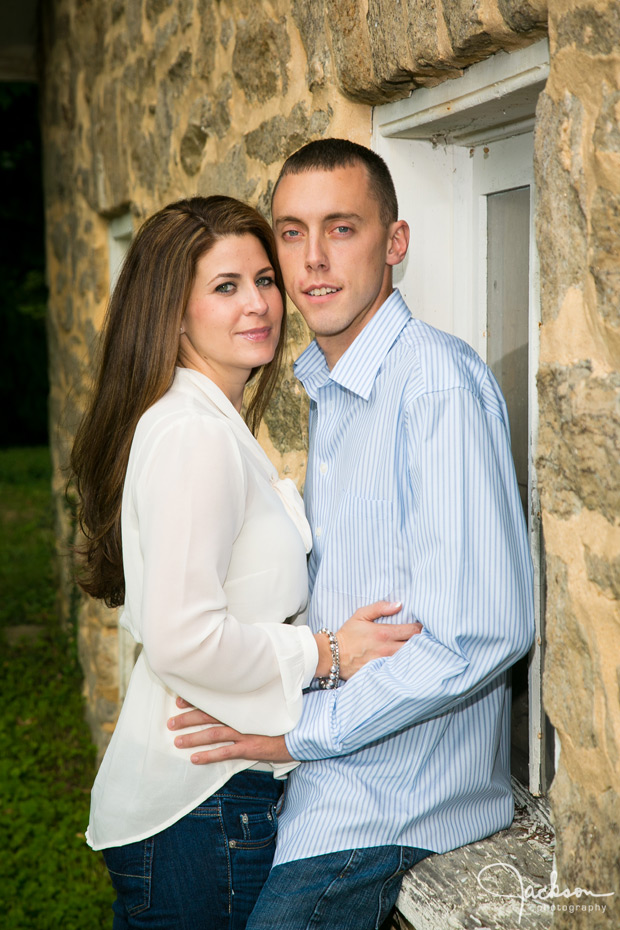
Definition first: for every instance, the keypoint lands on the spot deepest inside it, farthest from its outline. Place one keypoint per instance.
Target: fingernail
(396, 604)
(171, 723)
(193, 758)
(178, 741)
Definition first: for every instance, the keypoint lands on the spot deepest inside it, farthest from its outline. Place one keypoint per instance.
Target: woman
(188, 526)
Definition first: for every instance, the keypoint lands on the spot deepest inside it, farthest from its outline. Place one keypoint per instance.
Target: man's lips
(321, 290)
(256, 335)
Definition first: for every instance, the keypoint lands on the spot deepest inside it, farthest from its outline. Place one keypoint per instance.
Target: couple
(411, 495)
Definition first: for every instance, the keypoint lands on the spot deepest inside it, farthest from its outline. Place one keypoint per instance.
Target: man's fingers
(193, 718)
(183, 704)
(206, 737)
(206, 757)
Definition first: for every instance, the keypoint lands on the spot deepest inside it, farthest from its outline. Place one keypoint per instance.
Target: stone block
(586, 852)
(228, 176)
(287, 415)
(351, 50)
(560, 208)
(310, 20)
(207, 39)
(192, 148)
(529, 16)
(279, 137)
(154, 8)
(260, 57)
(605, 259)
(590, 26)
(578, 462)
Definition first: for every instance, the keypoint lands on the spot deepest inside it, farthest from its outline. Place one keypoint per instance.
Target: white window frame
(120, 234)
(448, 147)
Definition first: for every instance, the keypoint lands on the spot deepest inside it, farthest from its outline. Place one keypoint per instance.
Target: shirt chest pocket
(358, 558)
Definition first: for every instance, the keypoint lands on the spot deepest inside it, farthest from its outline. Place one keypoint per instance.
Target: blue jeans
(206, 871)
(351, 890)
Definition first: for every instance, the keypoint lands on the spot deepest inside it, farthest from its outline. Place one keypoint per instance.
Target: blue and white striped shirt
(412, 496)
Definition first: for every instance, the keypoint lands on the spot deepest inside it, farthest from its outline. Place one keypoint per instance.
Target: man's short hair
(329, 154)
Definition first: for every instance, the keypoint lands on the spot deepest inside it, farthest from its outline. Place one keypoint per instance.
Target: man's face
(335, 252)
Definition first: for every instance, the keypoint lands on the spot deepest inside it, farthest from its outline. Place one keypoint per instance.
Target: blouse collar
(284, 487)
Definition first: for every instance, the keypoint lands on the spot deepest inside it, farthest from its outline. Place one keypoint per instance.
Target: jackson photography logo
(543, 896)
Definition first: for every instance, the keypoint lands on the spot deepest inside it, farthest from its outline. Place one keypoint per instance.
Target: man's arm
(471, 578)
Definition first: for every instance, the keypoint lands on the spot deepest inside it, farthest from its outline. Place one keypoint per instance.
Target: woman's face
(233, 316)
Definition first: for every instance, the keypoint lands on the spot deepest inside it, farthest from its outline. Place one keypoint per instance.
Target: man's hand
(239, 745)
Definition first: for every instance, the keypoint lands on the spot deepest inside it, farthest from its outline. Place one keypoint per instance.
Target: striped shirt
(412, 496)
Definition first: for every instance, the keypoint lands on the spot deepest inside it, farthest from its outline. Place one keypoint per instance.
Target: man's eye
(343, 229)
(290, 234)
(226, 288)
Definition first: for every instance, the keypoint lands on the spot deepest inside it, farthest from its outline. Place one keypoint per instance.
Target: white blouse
(214, 553)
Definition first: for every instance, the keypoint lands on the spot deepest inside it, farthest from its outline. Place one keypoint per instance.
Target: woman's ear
(398, 242)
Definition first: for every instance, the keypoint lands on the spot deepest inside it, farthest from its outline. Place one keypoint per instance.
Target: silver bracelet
(334, 673)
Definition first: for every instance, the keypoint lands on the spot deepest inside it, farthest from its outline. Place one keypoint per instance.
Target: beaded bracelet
(334, 673)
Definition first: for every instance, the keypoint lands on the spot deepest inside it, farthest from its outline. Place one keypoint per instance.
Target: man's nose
(316, 255)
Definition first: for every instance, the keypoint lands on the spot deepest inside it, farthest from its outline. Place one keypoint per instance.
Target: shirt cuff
(311, 738)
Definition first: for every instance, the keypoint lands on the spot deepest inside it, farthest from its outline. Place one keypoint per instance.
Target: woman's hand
(360, 639)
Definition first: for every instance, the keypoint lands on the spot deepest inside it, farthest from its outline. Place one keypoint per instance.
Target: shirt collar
(358, 368)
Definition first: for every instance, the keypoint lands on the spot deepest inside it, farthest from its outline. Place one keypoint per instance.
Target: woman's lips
(256, 335)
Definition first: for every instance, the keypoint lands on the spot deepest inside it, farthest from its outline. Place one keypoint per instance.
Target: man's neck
(334, 346)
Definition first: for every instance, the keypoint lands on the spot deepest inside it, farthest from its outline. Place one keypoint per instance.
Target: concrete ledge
(445, 892)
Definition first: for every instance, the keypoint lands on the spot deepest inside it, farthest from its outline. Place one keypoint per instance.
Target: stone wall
(578, 166)
(148, 100)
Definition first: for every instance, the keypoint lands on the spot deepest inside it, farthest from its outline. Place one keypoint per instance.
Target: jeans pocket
(257, 828)
(130, 869)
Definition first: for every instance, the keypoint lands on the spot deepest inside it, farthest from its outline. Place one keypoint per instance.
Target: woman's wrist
(325, 655)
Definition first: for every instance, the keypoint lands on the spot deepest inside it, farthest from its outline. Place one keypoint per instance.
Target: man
(411, 495)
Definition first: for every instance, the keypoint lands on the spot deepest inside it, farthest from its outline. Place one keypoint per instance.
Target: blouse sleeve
(190, 504)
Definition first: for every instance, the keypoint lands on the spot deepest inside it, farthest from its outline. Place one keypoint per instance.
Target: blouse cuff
(310, 653)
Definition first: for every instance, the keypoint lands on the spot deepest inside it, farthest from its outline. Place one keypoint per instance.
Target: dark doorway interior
(23, 294)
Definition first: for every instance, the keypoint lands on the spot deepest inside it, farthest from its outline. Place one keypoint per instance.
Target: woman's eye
(226, 288)
(265, 281)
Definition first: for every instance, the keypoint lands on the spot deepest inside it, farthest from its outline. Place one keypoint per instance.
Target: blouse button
(323, 467)
(318, 531)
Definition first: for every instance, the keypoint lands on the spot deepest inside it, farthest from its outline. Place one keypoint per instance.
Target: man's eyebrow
(327, 218)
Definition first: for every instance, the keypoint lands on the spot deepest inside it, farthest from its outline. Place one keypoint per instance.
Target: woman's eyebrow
(236, 274)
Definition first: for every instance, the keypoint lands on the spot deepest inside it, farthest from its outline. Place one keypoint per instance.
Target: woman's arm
(189, 497)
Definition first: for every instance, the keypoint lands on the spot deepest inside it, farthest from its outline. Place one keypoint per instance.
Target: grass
(48, 876)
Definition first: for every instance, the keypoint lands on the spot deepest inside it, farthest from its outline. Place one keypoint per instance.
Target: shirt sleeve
(190, 499)
(471, 579)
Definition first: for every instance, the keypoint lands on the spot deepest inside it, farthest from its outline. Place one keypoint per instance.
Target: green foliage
(48, 876)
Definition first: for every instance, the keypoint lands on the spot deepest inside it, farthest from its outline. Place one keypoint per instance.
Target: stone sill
(443, 893)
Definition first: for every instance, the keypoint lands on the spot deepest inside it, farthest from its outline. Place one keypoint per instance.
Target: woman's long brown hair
(138, 354)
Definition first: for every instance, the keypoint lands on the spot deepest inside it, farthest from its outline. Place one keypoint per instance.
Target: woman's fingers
(378, 609)
(400, 632)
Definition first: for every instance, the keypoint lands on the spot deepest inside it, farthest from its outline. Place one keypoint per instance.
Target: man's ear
(398, 242)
